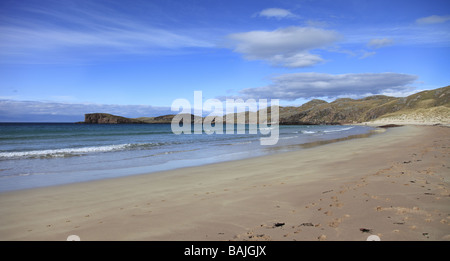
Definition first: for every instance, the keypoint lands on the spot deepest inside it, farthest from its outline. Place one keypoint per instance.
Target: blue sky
(61, 59)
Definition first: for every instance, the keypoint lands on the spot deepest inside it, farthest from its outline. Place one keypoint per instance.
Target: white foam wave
(288, 138)
(341, 129)
(266, 128)
(237, 143)
(67, 152)
(241, 143)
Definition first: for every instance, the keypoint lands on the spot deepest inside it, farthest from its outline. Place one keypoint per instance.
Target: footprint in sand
(335, 223)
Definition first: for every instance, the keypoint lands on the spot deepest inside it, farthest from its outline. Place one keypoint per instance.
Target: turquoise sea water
(44, 154)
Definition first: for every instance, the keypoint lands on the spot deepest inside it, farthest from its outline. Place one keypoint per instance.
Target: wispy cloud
(286, 47)
(400, 35)
(433, 19)
(294, 86)
(87, 32)
(378, 43)
(366, 54)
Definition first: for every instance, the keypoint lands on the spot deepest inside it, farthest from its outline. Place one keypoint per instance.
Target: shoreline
(327, 192)
(71, 165)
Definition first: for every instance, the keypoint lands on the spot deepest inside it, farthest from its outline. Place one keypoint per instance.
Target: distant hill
(105, 118)
(427, 106)
(434, 103)
(167, 119)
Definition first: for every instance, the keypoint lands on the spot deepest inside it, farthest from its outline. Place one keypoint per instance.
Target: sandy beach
(395, 185)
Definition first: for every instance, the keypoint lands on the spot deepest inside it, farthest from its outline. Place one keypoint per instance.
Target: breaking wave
(341, 129)
(69, 152)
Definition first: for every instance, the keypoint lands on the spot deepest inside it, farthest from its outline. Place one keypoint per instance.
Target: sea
(46, 154)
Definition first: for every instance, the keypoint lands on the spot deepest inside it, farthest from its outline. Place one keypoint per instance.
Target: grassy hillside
(370, 108)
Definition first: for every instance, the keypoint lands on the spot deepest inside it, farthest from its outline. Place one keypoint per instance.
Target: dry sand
(395, 185)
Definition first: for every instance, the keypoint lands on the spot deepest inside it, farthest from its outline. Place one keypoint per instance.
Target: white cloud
(401, 93)
(378, 43)
(276, 13)
(285, 46)
(433, 19)
(314, 85)
(302, 59)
